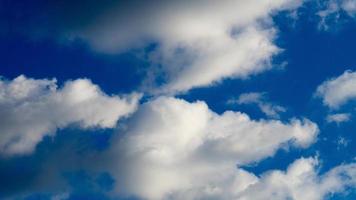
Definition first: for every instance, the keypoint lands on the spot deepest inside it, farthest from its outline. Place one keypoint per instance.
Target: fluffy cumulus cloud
(339, 90)
(181, 150)
(198, 42)
(33, 108)
(300, 181)
(170, 148)
(259, 99)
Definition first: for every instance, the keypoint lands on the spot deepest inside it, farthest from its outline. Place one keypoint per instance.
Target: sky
(171, 100)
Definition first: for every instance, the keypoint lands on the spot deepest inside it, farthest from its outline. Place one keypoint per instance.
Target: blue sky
(178, 100)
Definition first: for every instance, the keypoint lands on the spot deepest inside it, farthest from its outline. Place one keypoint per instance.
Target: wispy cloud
(333, 9)
(338, 118)
(260, 100)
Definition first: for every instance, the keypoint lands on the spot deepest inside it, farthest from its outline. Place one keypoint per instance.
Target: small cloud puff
(338, 118)
(338, 90)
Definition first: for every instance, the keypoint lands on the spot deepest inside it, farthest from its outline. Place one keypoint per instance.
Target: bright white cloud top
(199, 42)
(339, 90)
(181, 150)
(34, 108)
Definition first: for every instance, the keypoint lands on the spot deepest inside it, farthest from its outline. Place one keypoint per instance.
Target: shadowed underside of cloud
(181, 150)
(301, 180)
(31, 109)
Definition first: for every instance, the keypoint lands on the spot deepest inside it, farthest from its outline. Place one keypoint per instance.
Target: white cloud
(349, 6)
(301, 181)
(334, 6)
(62, 196)
(267, 108)
(33, 108)
(342, 142)
(332, 11)
(174, 149)
(338, 91)
(338, 118)
(252, 97)
(199, 42)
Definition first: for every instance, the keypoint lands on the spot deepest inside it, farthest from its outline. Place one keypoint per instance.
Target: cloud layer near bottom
(173, 149)
(300, 181)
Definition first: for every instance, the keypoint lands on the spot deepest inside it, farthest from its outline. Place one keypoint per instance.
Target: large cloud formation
(198, 42)
(171, 148)
(33, 108)
(181, 150)
(338, 90)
